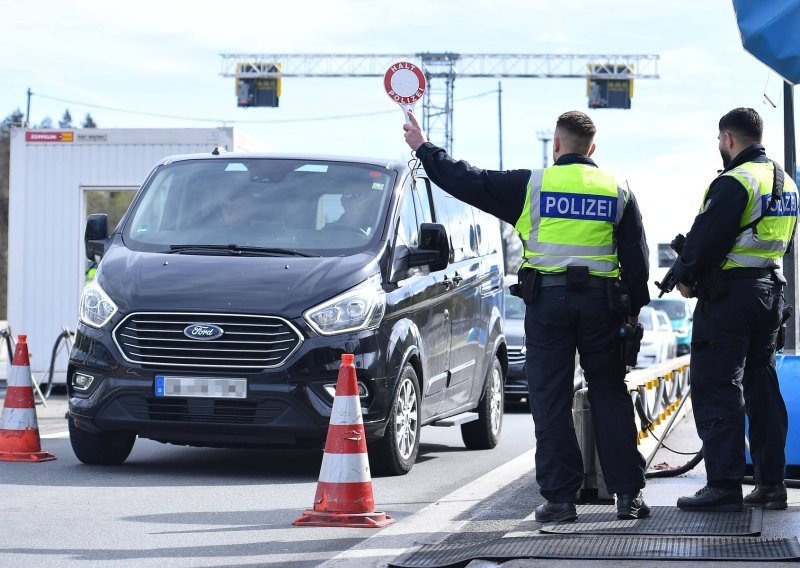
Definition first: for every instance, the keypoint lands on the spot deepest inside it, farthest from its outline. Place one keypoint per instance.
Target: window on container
(113, 202)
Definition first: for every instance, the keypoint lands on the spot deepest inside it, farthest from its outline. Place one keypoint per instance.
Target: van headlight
(357, 309)
(96, 307)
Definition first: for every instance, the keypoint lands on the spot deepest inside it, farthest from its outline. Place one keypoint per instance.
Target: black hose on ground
(792, 483)
(48, 388)
(698, 457)
(6, 334)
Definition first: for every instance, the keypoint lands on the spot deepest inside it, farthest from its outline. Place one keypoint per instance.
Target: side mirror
(95, 236)
(433, 249)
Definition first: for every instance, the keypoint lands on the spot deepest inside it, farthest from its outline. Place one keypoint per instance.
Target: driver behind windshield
(360, 205)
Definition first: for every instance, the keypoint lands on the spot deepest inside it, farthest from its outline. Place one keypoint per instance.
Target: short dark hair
(580, 126)
(744, 123)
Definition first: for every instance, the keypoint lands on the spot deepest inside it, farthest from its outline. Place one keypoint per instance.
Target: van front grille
(203, 410)
(157, 340)
(515, 354)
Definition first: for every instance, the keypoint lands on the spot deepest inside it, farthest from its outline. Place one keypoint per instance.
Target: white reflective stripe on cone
(346, 411)
(20, 376)
(19, 419)
(344, 468)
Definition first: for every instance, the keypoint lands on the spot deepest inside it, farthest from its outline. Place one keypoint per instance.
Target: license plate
(202, 387)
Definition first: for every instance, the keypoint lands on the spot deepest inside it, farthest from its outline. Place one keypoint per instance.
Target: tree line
(16, 119)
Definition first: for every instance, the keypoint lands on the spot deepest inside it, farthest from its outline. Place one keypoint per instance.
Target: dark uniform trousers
(558, 321)
(733, 372)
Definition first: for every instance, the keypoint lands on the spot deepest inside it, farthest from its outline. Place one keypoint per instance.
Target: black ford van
(228, 292)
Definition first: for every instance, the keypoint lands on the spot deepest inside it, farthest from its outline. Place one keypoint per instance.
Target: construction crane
(441, 71)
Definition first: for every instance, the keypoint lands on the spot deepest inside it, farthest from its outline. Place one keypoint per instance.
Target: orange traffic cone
(19, 431)
(344, 491)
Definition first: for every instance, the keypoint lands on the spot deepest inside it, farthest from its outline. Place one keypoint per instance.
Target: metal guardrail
(658, 393)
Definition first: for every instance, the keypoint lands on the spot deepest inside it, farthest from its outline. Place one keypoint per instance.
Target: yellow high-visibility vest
(569, 219)
(762, 245)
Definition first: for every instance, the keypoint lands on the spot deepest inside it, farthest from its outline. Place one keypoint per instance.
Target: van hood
(287, 286)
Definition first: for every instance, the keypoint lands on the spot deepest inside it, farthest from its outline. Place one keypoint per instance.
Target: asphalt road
(181, 506)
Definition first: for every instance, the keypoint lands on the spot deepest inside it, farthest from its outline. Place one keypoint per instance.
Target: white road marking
(64, 434)
(436, 521)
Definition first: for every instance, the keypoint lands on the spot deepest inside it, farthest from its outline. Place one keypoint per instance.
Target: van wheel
(396, 452)
(484, 433)
(105, 448)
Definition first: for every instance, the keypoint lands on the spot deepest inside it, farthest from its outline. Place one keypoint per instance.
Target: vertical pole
(500, 120)
(544, 151)
(544, 137)
(451, 77)
(27, 121)
(790, 260)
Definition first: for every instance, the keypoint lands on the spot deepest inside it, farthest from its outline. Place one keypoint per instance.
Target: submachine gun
(669, 282)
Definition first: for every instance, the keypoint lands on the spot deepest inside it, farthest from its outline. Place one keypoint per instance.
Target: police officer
(578, 228)
(91, 270)
(729, 261)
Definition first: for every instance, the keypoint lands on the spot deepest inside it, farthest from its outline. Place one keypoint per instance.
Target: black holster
(527, 287)
(630, 342)
(577, 277)
(618, 296)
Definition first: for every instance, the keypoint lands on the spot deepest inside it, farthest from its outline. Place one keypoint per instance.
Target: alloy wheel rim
(406, 419)
(496, 401)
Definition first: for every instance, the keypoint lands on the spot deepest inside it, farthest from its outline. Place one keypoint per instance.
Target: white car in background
(659, 342)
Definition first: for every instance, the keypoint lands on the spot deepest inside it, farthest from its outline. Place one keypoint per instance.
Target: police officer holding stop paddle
(584, 275)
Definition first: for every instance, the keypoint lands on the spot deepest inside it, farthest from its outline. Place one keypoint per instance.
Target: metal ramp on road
(648, 548)
(669, 534)
(600, 519)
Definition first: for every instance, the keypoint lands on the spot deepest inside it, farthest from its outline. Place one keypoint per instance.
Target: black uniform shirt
(714, 231)
(503, 193)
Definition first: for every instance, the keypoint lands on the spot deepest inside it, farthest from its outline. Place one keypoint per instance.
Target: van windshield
(676, 309)
(328, 208)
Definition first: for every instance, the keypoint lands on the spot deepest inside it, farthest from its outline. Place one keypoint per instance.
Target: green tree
(66, 120)
(88, 122)
(14, 119)
(46, 123)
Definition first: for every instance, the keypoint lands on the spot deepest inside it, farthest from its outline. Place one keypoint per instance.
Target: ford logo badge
(203, 331)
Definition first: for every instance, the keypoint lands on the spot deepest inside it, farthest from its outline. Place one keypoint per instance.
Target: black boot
(632, 506)
(713, 499)
(559, 512)
(770, 496)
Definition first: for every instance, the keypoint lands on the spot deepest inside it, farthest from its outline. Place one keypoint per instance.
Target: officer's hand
(414, 135)
(685, 291)
(632, 320)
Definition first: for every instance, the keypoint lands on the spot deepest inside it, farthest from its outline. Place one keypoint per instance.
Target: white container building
(51, 175)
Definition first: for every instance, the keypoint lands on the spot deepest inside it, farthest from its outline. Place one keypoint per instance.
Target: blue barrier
(789, 380)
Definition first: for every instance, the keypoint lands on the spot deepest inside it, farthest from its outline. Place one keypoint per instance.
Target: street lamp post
(544, 136)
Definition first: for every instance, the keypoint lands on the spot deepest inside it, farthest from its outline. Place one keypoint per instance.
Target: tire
(100, 449)
(396, 452)
(484, 433)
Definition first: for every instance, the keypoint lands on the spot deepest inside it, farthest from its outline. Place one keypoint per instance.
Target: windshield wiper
(234, 248)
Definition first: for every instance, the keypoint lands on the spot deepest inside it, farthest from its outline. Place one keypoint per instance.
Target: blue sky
(164, 58)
